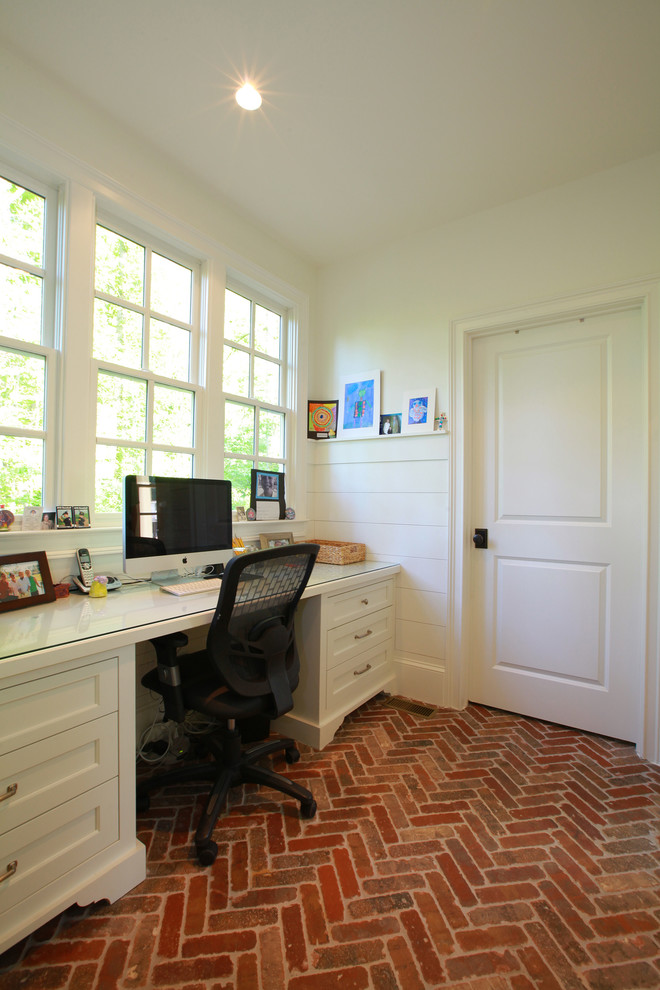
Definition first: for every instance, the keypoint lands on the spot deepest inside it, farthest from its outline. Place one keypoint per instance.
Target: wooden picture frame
(25, 580)
(269, 540)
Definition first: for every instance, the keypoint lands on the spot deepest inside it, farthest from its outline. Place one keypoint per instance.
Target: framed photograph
(359, 406)
(268, 540)
(32, 517)
(81, 516)
(418, 411)
(267, 494)
(25, 580)
(64, 516)
(390, 423)
(322, 419)
(48, 519)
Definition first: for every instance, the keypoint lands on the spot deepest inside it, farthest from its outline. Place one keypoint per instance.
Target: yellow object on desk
(99, 587)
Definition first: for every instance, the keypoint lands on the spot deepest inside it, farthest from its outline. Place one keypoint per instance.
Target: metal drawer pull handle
(356, 673)
(11, 869)
(365, 601)
(369, 632)
(11, 790)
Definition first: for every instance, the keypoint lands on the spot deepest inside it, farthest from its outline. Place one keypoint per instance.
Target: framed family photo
(268, 540)
(359, 406)
(418, 411)
(25, 580)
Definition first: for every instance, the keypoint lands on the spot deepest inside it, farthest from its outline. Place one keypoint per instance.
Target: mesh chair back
(251, 641)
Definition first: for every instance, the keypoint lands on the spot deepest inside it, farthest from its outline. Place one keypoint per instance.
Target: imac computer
(175, 526)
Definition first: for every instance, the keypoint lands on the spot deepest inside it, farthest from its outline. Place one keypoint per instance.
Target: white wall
(40, 105)
(391, 309)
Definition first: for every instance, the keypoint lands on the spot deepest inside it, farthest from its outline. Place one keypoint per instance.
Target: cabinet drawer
(352, 638)
(40, 708)
(349, 684)
(52, 771)
(369, 598)
(53, 844)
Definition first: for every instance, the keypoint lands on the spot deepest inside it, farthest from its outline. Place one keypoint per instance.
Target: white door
(557, 603)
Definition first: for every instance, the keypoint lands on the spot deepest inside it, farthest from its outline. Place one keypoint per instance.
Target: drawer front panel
(352, 638)
(53, 771)
(56, 843)
(370, 598)
(348, 685)
(40, 708)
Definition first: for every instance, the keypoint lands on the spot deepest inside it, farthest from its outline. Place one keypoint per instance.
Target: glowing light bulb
(248, 98)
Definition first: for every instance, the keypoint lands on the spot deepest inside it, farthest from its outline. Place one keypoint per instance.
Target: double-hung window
(146, 359)
(255, 389)
(28, 359)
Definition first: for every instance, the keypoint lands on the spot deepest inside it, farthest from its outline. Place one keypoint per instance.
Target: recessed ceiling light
(248, 98)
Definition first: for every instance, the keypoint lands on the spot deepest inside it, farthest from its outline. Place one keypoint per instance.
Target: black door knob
(480, 539)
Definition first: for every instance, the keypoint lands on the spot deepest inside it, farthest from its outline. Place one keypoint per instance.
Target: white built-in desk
(67, 723)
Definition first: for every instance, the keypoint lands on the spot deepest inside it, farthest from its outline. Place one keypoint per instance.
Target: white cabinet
(346, 642)
(67, 829)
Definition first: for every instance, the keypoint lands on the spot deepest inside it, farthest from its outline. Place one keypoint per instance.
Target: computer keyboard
(193, 587)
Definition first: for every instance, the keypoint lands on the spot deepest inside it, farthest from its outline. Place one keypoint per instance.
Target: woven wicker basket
(334, 552)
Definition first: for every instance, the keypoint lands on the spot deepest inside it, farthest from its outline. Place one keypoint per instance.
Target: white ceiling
(380, 117)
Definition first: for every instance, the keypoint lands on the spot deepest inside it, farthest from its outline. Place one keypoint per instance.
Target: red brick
(404, 964)
(331, 894)
(345, 873)
(315, 927)
(479, 939)
(425, 954)
(170, 927)
(295, 946)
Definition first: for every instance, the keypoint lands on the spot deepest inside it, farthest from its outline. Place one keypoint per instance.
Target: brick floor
(472, 849)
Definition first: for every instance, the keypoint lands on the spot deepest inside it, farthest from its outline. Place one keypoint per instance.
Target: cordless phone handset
(85, 565)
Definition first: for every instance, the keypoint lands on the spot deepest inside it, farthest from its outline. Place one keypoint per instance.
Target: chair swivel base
(232, 767)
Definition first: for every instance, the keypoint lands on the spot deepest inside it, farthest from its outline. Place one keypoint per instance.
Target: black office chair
(250, 667)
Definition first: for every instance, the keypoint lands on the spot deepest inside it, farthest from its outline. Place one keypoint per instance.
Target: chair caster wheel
(308, 809)
(142, 803)
(291, 755)
(207, 853)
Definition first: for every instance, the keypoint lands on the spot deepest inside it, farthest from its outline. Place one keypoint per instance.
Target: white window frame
(153, 244)
(50, 346)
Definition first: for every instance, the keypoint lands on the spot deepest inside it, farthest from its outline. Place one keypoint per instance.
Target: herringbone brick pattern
(473, 849)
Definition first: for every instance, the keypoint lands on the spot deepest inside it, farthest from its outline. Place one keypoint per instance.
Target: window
(145, 347)
(255, 389)
(27, 357)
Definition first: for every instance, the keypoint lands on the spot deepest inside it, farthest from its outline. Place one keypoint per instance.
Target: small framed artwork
(81, 516)
(268, 540)
(418, 411)
(390, 423)
(25, 580)
(64, 516)
(321, 419)
(359, 406)
(267, 494)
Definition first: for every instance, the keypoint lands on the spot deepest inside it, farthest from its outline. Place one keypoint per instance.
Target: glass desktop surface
(80, 618)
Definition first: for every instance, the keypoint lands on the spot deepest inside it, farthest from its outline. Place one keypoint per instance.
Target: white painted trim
(644, 293)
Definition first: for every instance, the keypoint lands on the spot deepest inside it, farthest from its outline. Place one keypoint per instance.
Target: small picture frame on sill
(64, 517)
(25, 580)
(269, 540)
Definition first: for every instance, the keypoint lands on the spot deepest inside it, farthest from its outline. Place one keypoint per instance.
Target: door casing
(644, 293)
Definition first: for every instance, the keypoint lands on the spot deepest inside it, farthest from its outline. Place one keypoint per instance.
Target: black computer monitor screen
(175, 524)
